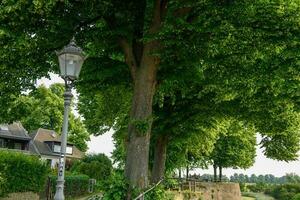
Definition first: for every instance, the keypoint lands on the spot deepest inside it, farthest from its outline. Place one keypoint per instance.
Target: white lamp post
(70, 59)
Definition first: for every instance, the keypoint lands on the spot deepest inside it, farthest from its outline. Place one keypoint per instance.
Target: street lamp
(70, 59)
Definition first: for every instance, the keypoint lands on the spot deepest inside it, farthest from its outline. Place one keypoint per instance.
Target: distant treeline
(243, 178)
(268, 178)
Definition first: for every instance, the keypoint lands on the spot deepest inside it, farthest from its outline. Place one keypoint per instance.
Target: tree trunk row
(215, 173)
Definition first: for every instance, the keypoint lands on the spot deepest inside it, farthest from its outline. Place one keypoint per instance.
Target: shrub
(75, 185)
(3, 188)
(158, 193)
(284, 192)
(22, 173)
(258, 187)
(116, 187)
(296, 197)
(97, 166)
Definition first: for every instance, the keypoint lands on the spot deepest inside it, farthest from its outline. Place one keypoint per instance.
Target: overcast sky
(263, 165)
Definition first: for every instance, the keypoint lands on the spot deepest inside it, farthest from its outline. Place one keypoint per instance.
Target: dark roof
(41, 136)
(14, 131)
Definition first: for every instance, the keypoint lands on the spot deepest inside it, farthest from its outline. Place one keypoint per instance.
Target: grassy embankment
(256, 196)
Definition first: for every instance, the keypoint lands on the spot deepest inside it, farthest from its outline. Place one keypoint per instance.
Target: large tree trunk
(136, 168)
(160, 155)
(220, 174)
(215, 173)
(143, 66)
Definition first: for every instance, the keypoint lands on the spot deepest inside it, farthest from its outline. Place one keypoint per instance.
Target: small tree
(236, 148)
(97, 166)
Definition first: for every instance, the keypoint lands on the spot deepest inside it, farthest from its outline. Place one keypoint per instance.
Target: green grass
(256, 196)
(248, 198)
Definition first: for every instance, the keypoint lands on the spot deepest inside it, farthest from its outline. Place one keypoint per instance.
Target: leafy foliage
(285, 192)
(249, 63)
(22, 173)
(236, 147)
(296, 197)
(3, 185)
(75, 185)
(97, 166)
(43, 108)
(116, 187)
(268, 178)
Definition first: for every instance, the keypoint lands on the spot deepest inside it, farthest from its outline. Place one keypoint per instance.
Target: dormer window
(57, 148)
(69, 150)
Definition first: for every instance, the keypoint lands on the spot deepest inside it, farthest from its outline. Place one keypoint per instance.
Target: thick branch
(129, 56)
(87, 22)
(182, 11)
(158, 15)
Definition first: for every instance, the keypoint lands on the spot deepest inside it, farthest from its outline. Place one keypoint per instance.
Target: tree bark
(215, 173)
(220, 173)
(160, 155)
(136, 168)
(187, 172)
(179, 173)
(143, 70)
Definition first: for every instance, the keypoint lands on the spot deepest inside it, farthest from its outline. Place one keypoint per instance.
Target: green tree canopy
(245, 51)
(97, 166)
(43, 108)
(236, 147)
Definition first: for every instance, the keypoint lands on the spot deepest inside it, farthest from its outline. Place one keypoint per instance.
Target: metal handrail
(150, 189)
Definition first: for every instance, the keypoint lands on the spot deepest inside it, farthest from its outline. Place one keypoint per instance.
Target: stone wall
(210, 191)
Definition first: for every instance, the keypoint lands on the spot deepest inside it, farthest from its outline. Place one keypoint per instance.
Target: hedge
(21, 173)
(75, 185)
(3, 187)
(296, 197)
(96, 166)
(284, 192)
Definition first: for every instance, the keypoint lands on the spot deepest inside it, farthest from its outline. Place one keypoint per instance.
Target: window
(2, 144)
(57, 149)
(69, 150)
(18, 146)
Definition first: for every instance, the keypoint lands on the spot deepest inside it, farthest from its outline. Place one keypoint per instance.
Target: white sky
(263, 165)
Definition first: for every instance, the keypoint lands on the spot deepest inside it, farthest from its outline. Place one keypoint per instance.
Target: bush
(158, 193)
(3, 188)
(258, 187)
(296, 197)
(75, 185)
(21, 173)
(97, 166)
(116, 187)
(284, 192)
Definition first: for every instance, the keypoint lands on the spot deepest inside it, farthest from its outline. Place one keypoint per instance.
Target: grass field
(248, 198)
(256, 196)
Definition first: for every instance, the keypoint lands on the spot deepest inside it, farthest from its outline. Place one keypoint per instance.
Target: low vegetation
(75, 185)
(21, 173)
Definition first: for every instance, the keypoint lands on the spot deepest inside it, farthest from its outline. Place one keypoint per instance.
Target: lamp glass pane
(70, 65)
(79, 65)
(62, 64)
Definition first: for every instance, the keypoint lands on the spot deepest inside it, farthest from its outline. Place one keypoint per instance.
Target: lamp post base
(59, 194)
